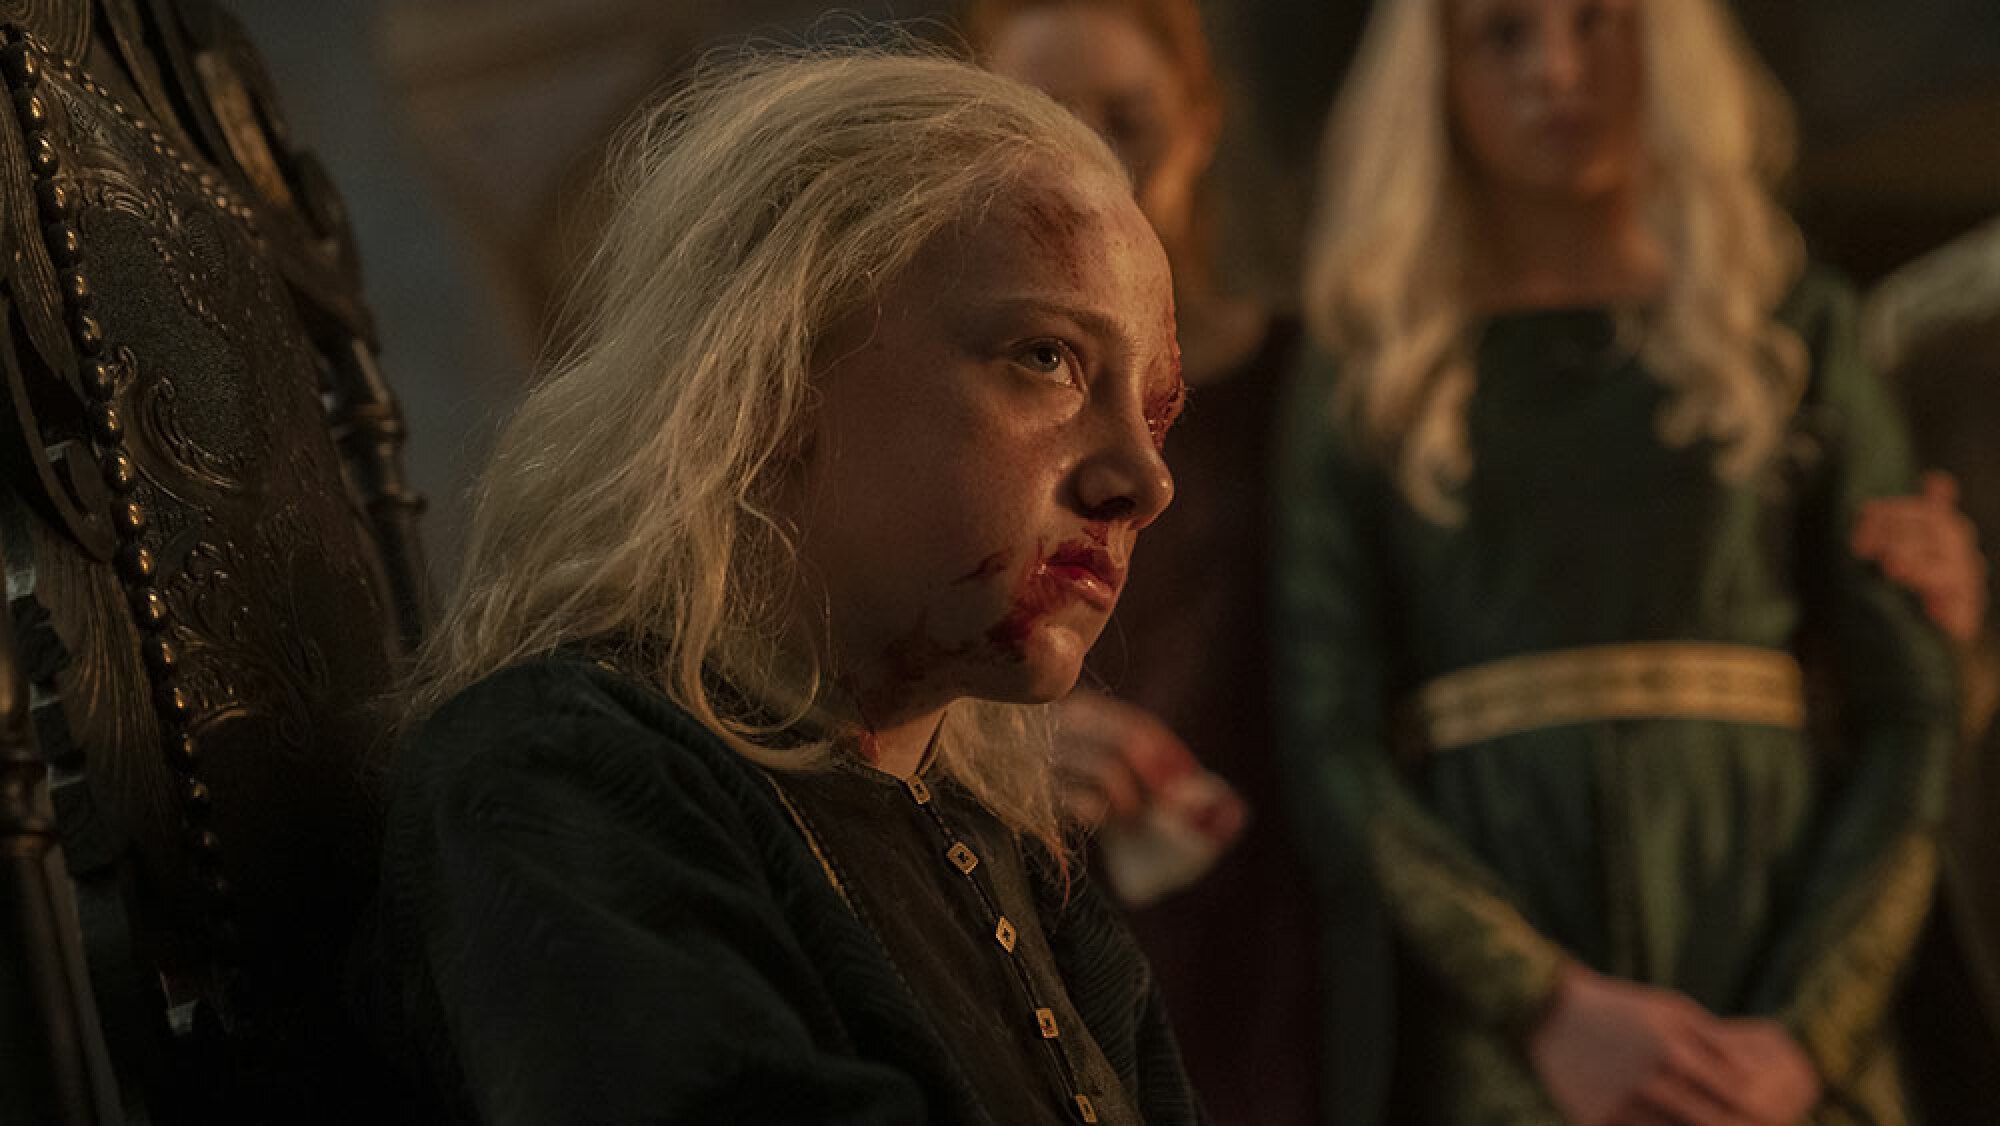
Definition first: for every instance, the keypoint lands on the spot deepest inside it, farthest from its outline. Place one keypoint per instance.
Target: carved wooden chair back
(212, 572)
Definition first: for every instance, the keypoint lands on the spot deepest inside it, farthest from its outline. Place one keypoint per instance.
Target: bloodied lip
(1089, 570)
(1079, 570)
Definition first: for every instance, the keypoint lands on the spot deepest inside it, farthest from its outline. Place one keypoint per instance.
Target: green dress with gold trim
(1738, 863)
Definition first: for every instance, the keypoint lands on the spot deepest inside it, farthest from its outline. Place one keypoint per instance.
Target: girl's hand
(1111, 757)
(1926, 544)
(1115, 761)
(1782, 1087)
(1611, 1052)
(1165, 820)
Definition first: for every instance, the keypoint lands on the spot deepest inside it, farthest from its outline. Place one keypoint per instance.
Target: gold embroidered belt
(1642, 680)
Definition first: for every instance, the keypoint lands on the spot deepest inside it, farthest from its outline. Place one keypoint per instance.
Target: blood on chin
(1030, 630)
(1038, 637)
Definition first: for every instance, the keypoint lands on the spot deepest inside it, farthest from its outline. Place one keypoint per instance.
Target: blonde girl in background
(1580, 465)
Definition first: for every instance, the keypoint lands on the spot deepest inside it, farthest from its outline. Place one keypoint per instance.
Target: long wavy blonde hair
(631, 496)
(1385, 279)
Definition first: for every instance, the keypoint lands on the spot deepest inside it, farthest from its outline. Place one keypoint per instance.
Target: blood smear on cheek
(988, 567)
(1041, 593)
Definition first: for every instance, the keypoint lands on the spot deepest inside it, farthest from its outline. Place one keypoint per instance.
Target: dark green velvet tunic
(1733, 862)
(593, 912)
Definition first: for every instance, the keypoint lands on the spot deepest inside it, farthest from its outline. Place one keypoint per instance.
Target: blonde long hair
(1386, 262)
(631, 494)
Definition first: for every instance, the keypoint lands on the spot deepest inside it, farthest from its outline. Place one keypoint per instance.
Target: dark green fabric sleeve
(1867, 883)
(1359, 823)
(598, 943)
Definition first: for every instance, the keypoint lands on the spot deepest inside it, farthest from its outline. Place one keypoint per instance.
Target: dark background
(464, 133)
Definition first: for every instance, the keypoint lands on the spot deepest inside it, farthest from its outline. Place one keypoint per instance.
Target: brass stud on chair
(174, 704)
(55, 199)
(43, 157)
(20, 64)
(162, 655)
(181, 751)
(106, 425)
(89, 334)
(136, 563)
(99, 380)
(149, 609)
(65, 245)
(218, 886)
(121, 476)
(76, 289)
(29, 107)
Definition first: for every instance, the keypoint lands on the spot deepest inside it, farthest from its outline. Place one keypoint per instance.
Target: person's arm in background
(1863, 895)
(1926, 543)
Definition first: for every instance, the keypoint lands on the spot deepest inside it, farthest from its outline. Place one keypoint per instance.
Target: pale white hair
(1385, 279)
(631, 496)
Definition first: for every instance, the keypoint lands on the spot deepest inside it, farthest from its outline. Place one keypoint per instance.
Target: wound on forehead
(1056, 229)
(1163, 405)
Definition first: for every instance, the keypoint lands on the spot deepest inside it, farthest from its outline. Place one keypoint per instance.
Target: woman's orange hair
(1173, 25)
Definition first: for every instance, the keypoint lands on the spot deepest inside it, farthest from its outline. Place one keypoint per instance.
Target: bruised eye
(1049, 359)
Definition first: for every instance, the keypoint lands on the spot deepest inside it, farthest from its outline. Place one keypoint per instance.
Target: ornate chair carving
(211, 570)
